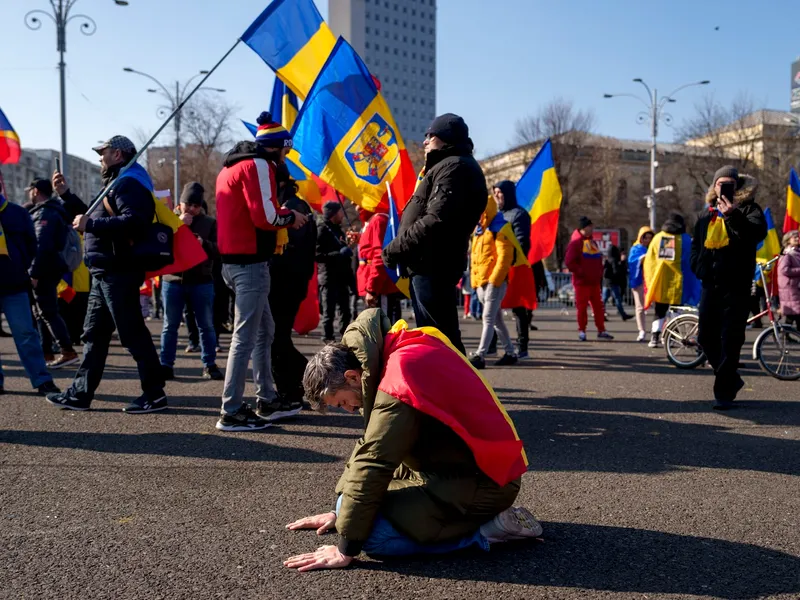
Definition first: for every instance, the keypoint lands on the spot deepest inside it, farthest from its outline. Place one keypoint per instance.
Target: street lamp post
(61, 17)
(655, 113)
(175, 100)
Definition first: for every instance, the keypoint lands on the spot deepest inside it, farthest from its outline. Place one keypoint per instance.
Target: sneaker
(627, 317)
(64, 359)
(49, 357)
(506, 361)
(218, 349)
(168, 373)
(143, 405)
(582, 336)
(68, 401)
(4, 333)
(523, 355)
(48, 387)
(604, 335)
(642, 336)
(192, 349)
(243, 419)
(515, 523)
(533, 327)
(477, 361)
(655, 340)
(213, 373)
(277, 409)
(2, 389)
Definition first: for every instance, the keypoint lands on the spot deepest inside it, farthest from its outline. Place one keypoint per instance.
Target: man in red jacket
(249, 217)
(585, 261)
(378, 289)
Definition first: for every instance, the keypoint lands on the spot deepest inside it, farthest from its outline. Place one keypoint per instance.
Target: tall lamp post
(655, 113)
(174, 99)
(61, 16)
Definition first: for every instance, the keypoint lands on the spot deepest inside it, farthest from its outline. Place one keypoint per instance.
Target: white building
(83, 176)
(397, 40)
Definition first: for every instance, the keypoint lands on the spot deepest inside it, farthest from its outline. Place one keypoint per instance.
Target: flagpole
(99, 198)
(341, 202)
(392, 222)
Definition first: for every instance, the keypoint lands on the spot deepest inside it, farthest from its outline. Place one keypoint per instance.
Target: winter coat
(615, 272)
(635, 258)
(373, 277)
(492, 252)
(299, 255)
(205, 228)
(20, 238)
(584, 261)
(518, 217)
(248, 212)
(730, 268)
(667, 267)
(402, 448)
(440, 216)
(50, 220)
(333, 255)
(789, 282)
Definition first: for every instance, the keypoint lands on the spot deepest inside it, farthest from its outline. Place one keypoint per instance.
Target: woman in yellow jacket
(491, 259)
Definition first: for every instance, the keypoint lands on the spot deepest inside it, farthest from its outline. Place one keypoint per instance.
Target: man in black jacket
(111, 231)
(334, 256)
(726, 237)
(195, 286)
(437, 222)
(291, 271)
(50, 219)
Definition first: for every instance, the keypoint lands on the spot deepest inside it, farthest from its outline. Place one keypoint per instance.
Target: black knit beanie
(193, 193)
(584, 222)
(726, 171)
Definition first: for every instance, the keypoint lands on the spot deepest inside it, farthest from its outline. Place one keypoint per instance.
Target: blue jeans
(201, 298)
(475, 306)
(616, 292)
(17, 308)
(385, 540)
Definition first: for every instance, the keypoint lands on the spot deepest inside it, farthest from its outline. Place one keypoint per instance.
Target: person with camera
(723, 257)
(112, 231)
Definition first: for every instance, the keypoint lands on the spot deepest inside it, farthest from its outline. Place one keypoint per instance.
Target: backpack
(72, 252)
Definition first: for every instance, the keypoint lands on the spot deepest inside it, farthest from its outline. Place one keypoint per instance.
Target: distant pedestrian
(615, 278)
(789, 278)
(636, 277)
(585, 262)
(335, 270)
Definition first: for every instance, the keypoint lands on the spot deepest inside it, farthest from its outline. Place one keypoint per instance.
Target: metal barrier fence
(560, 293)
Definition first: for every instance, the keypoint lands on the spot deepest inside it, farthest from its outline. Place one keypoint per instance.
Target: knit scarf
(3, 243)
(717, 235)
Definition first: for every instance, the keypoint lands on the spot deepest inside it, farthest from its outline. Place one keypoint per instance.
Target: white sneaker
(642, 336)
(515, 523)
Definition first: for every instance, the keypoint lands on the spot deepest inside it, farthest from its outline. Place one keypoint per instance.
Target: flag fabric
(283, 105)
(402, 282)
(769, 248)
(346, 135)
(73, 282)
(521, 289)
(424, 370)
(792, 220)
(186, 249)
(307, 318)
(10, 149)
(668, 273)
(291, 37)
(539, 192)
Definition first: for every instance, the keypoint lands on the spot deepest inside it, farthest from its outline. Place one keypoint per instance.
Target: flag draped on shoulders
(10, 149)
(424, 370)
(667, 271)
(539, 193)
(521, 289)
(792, 220)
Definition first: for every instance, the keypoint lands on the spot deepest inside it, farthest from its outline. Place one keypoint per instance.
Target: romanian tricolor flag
(291, 37)
(792, 220)
(187, 251)
(539, 192)
(78, 280)
(521, 290)
(10, 150)
(424, 370)
(346, 135)
(392, 228)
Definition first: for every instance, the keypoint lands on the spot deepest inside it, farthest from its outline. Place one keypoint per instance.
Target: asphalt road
(644, 492)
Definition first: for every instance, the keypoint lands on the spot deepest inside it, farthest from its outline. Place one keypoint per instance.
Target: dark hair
(325, 371)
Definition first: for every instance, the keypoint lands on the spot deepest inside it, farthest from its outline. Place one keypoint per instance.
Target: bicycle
(777, 348)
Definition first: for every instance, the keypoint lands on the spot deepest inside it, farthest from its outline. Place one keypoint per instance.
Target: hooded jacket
(518, 217)
(667, 266)
(635, 258)
(789, 282)
(50, 221)
(730, 268)
(492, 252)
(438, 491)
(20, 237)
(584, 260)
(248, 212)
(614, 270)
(440, 216)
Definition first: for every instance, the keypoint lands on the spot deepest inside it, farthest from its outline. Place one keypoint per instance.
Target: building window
(422, 43)
(368, 30)
(622, 191)
(395, 51)
(413, 13)
(405, 53)
(387, 20)
(414, 26)
(405, 39)
(366, 45)
(414, 56)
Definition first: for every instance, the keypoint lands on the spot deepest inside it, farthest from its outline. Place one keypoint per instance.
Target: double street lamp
(61, 16)
(174, 100)
(655, 113)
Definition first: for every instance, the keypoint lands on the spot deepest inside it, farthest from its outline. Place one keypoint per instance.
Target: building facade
(397, 40)
(83, 176)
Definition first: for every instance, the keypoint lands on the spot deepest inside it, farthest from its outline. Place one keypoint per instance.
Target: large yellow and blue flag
(10, 149)
(346, 135)
(792, 220)
(769, 248)
(283, 104)
(291, 37)
(539, 192)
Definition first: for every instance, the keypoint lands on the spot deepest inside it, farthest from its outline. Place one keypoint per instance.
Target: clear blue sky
(498, 60)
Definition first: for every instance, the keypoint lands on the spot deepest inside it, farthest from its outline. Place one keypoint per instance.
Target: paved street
(644, 492)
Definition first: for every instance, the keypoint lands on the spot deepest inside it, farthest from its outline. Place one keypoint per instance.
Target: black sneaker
(213, 373)
(192, 349)
(242, 420)
(168, 373)
(143, 405)
(506, 361)
(48, 387)
(68, 401)
(2, 390)
(477, 361)
(278, 409)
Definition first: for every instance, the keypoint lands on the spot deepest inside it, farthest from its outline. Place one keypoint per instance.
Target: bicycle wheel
(680, 342)
(779, 354)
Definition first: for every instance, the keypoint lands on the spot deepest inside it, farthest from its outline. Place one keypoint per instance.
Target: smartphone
(727, 190)
(58, 164)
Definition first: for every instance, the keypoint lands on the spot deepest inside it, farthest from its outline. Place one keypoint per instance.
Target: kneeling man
(439, 465)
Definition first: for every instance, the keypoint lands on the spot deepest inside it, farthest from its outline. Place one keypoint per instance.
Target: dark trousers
(48, 316)
(391, 304)
(191, 324)
(331, 296)
(114, 304)
(434, 301)
(288, 363)
(721, 333)
(523, 317)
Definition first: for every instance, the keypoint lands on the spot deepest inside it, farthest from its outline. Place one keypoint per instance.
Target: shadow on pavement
(619, 559)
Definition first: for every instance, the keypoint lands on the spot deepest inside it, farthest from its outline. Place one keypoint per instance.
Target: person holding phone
(723, 257)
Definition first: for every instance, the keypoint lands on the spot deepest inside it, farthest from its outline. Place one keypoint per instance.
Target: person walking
(615, 278)
(724, 248)
(636, 277)
(585, 262)
(789, 278)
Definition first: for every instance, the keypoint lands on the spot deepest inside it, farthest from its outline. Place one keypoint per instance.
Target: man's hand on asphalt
(79, 222)
(299, 220)
(322, 523)
(326, 557)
